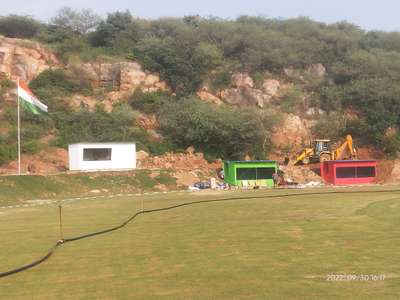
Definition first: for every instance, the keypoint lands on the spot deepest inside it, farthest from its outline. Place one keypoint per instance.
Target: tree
(14, 26)
(108, 30)
(184, 65)
(124, 117)
(223, 131)
(77, 21)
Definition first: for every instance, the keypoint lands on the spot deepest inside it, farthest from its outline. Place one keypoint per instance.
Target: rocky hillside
(169, 94)
(24, 59)
(114, 82)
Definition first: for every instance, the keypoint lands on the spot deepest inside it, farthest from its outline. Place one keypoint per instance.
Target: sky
(368, 14)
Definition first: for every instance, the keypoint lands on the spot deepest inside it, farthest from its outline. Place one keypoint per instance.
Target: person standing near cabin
(275, 178)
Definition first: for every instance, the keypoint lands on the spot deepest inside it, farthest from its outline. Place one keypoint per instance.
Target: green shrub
(158, 148)
(8, 151)
(221, 80)
(7, 84)
(14, 26)
(30, 147)
(331, 126)
(166, 179)
(149, 102)
(290, 100)
(60, 83)
(392, 145)
(183, 63)
(219, 132)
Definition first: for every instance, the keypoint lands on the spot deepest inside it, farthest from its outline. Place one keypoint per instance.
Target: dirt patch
(370, 153)
(189, 167)
(177, 161)
(386, 173)
(49, 161)
(186, 178)
(301, 174)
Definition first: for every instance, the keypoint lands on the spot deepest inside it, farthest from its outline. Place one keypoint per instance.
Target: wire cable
(130, 219)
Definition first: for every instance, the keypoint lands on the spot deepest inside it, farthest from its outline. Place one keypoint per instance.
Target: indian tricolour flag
(28, 99)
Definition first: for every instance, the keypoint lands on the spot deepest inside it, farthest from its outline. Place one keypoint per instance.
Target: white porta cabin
(102, 156)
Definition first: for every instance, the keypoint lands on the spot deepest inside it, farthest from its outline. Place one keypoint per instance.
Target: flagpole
(19, 130)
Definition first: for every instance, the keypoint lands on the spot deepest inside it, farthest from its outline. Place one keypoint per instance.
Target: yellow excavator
(320, 150)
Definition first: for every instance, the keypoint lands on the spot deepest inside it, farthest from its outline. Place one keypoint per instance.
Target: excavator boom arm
(348, 144)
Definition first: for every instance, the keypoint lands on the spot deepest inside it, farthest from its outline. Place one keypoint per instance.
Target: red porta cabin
(348, 172)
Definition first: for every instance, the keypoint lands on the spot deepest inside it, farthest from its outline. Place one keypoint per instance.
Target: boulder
(123, 76)
(293, 131)
(131, 77)
(141, 155)
(245, 96)
(271, 86)
(317, 70)
(190, 150)
(151, 79)
(208, 97)
(242, 80)
(147, 122)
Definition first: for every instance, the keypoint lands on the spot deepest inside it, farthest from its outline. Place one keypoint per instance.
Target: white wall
(123, 156)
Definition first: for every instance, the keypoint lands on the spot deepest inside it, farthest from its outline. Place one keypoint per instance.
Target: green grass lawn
(260, 248)
(18, 189)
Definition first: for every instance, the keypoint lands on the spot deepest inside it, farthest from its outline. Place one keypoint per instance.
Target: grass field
(19, 189)
(254, 248)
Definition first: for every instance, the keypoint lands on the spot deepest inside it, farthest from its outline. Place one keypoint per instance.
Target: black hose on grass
(80, 237)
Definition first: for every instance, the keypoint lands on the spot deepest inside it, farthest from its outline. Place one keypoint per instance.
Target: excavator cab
(320, 146)
(321, 150)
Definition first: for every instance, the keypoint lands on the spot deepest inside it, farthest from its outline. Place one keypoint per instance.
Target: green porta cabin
(250, 173)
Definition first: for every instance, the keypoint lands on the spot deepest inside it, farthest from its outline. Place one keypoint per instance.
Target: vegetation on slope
(363, 71)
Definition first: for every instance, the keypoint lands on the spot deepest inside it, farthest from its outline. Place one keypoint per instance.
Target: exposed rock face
(147, 122)
(317, 70)
(123, 76)
(24, 59)
(206, 96)
(245, 96)
(294, 131)
(242, 80)
(271, 87)
(141, 155)
(243, 93)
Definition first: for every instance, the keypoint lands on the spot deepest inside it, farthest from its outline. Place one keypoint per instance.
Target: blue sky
(369, 14)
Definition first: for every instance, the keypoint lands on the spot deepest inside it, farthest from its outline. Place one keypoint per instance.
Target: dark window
(363, 172)
(349, 172)
(254, 173)
(97, 154)
(265, 173)
(246, 174)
